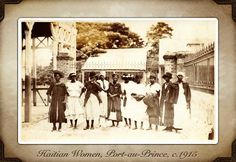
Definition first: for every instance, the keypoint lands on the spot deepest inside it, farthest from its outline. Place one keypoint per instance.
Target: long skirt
(74, 108)
(128, 109)
(114, 105)
(153, 109)
(139, 111)
(168, 111)
(104, 105)
(57, 112)
(181, 113)
(92, 110)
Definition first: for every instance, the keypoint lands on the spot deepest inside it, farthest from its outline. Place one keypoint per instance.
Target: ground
(197, 130)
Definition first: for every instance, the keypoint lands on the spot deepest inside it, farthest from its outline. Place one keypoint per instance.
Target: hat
(167, 74)
(58, 72)
(180, 73)
(103, 73)
(71, 75)
(124, 76)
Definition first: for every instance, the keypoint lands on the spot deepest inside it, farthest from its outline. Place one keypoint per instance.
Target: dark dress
(92, 88)
(166, 103)
(153, 110)
(57, 108)
(114, 103)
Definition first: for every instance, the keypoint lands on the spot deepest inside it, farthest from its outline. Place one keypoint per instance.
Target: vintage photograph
(118, 81)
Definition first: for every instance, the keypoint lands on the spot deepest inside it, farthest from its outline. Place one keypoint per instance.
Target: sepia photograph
(117, 81)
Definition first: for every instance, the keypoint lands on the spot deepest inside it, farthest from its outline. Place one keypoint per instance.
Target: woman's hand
(110, 95)
(188, 105)
(49, 99)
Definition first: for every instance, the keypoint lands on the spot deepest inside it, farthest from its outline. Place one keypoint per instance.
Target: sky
(185, 31)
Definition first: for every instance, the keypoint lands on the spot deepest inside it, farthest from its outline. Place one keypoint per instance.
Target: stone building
(174, 62)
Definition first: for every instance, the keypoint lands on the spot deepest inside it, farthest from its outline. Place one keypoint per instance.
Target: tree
(158, 31)
(94, 37)
(44, 74)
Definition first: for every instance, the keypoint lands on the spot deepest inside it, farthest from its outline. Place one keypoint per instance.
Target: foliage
(44, 74)
(159, 31)
(93, 38)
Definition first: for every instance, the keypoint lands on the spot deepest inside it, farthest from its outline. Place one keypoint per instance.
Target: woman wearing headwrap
(152, 101)
(114, 99)
(182, 107)
(74, 107)
(139, 108)
(128, 87)
(91, 100)
(103, 94)
(57, 94)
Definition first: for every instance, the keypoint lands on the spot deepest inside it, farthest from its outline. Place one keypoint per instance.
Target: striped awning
(129, 59)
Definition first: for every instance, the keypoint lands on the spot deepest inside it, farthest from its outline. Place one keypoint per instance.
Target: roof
(130, 59)
(40, 29)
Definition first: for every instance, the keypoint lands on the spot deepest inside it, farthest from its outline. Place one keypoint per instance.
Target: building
(198, 67)
(120, 61)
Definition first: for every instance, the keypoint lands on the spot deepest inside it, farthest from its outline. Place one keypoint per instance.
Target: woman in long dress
(139, 108)
(128, 88)
(103, 94)
(57, 94)
(182, 107)
(91, 100)
(152, 101)
(124, 87)
(114, 100)
(73, 105)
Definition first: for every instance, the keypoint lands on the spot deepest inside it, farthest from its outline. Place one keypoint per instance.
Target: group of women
(99, 100)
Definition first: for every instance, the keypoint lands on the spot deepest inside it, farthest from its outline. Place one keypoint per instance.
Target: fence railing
(199, 69)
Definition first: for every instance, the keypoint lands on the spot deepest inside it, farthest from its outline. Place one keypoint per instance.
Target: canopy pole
(28, 56)
(54, 30)
(34, 73)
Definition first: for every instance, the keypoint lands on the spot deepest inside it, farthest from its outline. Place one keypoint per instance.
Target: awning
(125, 59)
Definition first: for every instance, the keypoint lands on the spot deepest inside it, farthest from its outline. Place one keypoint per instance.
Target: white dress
(103, 96)
(181, 114)
(139, 108)
(73, 105)
(127, 110)
(152, 89)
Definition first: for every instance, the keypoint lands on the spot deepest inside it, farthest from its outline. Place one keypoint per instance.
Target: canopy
(125, 59)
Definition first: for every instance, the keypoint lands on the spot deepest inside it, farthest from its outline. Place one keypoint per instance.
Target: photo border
(117, 19)
(232, 2)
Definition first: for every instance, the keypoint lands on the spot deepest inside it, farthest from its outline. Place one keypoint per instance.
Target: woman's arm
(49, 92)
(83, 90)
